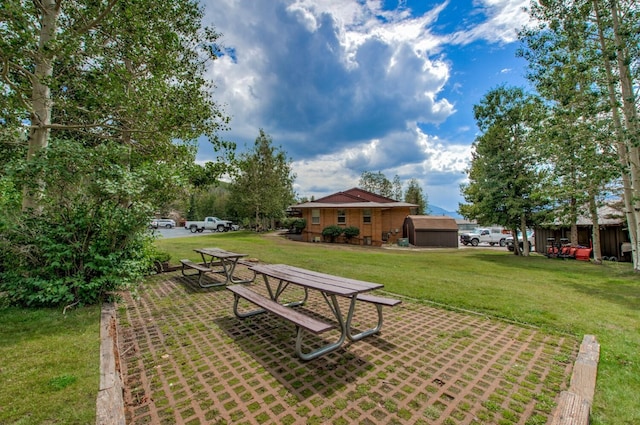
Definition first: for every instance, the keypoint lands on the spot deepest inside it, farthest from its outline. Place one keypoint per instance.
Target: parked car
(162, 222)
(531, 237)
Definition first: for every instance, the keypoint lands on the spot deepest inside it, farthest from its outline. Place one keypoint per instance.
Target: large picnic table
(277, 277)
(215, 260)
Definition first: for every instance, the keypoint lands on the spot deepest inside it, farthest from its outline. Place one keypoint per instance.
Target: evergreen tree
(414, 195)
(263, 186)
(504, 181)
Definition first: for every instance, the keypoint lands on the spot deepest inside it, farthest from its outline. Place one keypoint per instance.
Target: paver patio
(186, 359)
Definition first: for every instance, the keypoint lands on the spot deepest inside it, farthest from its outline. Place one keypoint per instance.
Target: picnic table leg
(366, 332)
(325, 348)
(282, 285)
(185, 274)
(230, 267)
(236, 299)
(200, 273)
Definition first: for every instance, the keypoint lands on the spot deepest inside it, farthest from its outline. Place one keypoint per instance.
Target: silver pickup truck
(490, 235)
(210, 223)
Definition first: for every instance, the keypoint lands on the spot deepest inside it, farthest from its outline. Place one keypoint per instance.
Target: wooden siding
(431, 231)
(386, 223)
(611, 240)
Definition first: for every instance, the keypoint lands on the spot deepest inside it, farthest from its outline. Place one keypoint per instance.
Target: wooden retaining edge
(110, 401)
(574, 405)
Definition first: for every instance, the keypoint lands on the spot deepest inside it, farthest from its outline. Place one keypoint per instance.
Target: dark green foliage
(295, 225)
(332, 232)
(379, 183)
(414, 195)
(262, 189)
(90, 236)
(350, 232)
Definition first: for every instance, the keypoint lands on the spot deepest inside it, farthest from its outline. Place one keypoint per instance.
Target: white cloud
(504, 19)
(342, 86)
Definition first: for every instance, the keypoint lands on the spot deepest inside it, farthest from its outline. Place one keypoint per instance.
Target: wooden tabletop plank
(220, 253)
(313, 280)
(339, 280)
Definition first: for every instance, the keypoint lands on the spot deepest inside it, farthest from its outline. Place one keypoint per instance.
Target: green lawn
(49, 361)
(49, 366)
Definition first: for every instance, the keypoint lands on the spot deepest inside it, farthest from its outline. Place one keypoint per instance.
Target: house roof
(433, 222)
(608, 215)
(354, 198)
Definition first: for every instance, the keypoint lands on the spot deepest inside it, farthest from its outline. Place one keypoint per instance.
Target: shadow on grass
(611, 281)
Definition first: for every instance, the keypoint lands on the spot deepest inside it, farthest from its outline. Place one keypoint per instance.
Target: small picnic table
(329, 286)
(215, 260)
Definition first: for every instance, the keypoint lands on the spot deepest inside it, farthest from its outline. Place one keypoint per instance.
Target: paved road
(179, 232)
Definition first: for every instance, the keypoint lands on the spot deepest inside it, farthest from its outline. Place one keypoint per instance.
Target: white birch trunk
(41, 93)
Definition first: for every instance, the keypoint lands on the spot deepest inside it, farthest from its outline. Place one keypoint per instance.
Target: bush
(89, 237)
(332, 232)
(295, 225)
(351, 232)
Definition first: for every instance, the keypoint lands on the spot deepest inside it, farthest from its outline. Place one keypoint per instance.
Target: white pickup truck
(491, 235)
(210, 223)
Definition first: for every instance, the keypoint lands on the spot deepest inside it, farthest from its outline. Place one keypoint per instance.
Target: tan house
(379, 219)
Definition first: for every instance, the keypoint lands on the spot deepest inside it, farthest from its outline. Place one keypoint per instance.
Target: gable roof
(608, 215)
(433, 222)
(354, 195)
(354, 198)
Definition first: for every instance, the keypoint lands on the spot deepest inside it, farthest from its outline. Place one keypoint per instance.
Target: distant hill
(435, 210)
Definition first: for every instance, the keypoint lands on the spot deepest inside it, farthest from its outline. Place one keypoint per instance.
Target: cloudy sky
(346, 86)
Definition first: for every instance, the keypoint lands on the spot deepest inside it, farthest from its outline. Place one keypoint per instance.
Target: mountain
(435, 210)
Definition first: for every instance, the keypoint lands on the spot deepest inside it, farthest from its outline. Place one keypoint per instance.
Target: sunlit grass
(49, 366)
(49, 362)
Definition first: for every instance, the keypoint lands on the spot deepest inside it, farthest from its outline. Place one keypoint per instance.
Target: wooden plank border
(110, 400)
(574, 405)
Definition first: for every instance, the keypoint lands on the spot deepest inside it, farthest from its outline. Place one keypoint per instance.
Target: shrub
(332, 232)
(351, 232)
(295, 225)
(89, 236)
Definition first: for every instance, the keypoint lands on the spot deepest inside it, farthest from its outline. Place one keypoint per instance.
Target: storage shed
(614, 235)
(431, 231)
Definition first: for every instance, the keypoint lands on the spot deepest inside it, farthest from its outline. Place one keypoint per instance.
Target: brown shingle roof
(433, 222)
(354, 195)
(354, 198)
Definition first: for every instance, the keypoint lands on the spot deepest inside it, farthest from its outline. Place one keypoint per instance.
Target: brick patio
(186, 359)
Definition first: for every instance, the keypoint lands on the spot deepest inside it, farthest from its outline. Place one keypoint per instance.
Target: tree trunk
(525, 239)
(627, 154)
(41, 93)
(573, 214)
(631, 120)
(595, 230)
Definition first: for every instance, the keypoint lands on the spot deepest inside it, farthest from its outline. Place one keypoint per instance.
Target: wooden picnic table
(215, 260)
(329, 286)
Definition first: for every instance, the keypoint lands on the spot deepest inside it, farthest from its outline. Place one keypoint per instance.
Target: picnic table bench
(215, 260)
(330, 287)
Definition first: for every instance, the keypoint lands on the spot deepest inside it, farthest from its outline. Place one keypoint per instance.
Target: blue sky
(346, 86)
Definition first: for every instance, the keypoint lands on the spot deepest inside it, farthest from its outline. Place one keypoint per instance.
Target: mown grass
(49, 362)
(49, 366)
(557, 295)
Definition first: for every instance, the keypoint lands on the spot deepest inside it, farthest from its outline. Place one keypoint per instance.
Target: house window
(366, 215)
(315, 216)
(342, 217)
